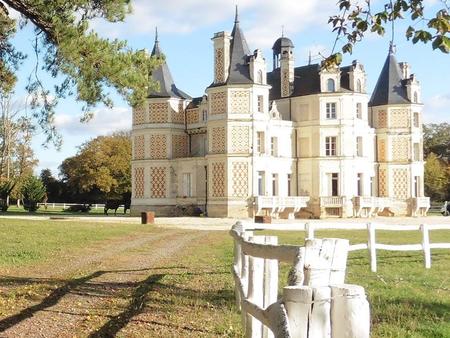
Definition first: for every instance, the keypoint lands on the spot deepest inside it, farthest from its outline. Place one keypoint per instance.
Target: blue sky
(186, 28)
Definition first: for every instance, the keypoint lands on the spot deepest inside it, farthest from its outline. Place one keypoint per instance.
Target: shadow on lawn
(139, 299)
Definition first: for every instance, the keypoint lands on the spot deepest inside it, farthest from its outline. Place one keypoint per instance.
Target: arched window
(330, 85)
(358, 86)
(415, 99)
(260, 77)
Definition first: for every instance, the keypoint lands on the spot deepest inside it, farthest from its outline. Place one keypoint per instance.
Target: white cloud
(262, 19)
(105, 121)
(437, 109)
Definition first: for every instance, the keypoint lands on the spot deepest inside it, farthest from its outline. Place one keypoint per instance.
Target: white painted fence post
(350, 314)
(298, 300)
(320, 318)
(246, 235)
(270, 282)
(371, 245)
(309, 227)
(254, 327)
(426, 245)
(238, 260)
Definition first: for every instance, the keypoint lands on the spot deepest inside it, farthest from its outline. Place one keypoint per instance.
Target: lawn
(59, 211)
(191, 294)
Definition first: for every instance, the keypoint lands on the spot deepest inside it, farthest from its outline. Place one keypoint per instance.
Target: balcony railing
(277, 204)
(332, 201)
(420, 206)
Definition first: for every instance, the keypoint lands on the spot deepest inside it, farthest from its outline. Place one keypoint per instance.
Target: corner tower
(158, 138)
(396, 115)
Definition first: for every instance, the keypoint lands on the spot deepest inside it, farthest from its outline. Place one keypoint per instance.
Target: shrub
(33, 192)
(5, 190)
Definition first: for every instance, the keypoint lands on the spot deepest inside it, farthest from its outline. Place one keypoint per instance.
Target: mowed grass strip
(25, 242)
(406, 300)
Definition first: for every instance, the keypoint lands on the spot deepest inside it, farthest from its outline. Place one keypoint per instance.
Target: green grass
(25, 242)
(59, 211)
(406, 299)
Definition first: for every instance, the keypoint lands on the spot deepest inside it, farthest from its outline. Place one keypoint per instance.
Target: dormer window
(331, 87)
(415, 97)
(358, 86)
(260, 77)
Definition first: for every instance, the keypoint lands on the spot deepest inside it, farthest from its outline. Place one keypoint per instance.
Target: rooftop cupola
(283, 58)
(163, 77)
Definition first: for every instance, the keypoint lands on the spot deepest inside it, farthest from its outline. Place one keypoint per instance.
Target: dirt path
(111, 282)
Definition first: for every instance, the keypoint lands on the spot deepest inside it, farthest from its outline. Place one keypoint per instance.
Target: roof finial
(309, 59)
(156, 34)
(282, 31)
(391, 48)
(236, 16)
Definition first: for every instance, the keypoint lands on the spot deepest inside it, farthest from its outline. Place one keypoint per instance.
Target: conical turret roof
(163, 76)
(390, 88)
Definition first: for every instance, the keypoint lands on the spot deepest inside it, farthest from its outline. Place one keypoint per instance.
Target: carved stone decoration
(285, 86)
(158, 112)
(240, 179)
(139, 182)
(240, 140)
(240, 102)
(382, 119)
(218, 179)
(400, 183)
(139, 147)
(158, 147)
(218, 140)
(158, 182)
(179, 146)
(382, 183)
(399, 118)
(192, 116)
(219, 66)
(177, 116)
(399, 149)
(139, 115)
(218, 103)
(381, 151)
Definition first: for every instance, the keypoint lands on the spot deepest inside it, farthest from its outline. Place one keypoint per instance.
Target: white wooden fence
(66, 205)
(371, 245)
(315, 304)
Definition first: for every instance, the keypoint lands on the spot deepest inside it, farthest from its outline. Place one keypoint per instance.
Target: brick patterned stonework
(139, 183)
(382, 119)
(158, 182)
(218, 139)
(400, 183)
(381, 151)
(158, 112)
(382, 183)
(219, 66)
(192, 116)
(218, 179)
(285, 84)
(177, 116)
(240, 140)
(139, 147)
(240, 102)
(139, 115)
(399, 149)
(399, 118)
(218, 103)
(240, 179)
(179, 146)
(158, 147)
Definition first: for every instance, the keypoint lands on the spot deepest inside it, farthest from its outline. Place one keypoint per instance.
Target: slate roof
(306, 81)
(280, 43)
(195, 102)
(163, 76)
(239, 72)
(390, 87)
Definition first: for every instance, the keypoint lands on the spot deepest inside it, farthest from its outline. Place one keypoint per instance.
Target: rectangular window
(187, 185)
(260, 104)
(331, 110)
(204, 115)
(416, 120)
(416, 152)
(330, 146)
(274, 146)
(289, 179)
(261, 183)
(359, 187)
(274, 184)
(359, 146)
(334, 184)
(260, 142)
(359, 110)
(416, 186)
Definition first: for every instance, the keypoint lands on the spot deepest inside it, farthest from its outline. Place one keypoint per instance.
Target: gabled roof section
(162, 75)
(239, 52)
(390, 87)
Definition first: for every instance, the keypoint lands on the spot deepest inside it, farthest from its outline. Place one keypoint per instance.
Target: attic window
(260, 77)
(358, 86)
(330, 85)
(415, 99)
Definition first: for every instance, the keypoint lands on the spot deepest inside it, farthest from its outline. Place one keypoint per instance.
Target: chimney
(221, 56)
(405, 69)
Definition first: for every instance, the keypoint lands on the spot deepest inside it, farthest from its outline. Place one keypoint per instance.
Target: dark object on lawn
(445, 210)
(263, 219)
(79, 208)
(147, 217)
(114, 204)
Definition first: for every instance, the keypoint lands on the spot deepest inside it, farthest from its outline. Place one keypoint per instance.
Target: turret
(283, 58)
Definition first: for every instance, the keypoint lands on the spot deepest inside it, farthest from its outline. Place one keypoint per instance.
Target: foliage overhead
(103, 163)
(357, 18)
(88, 64)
